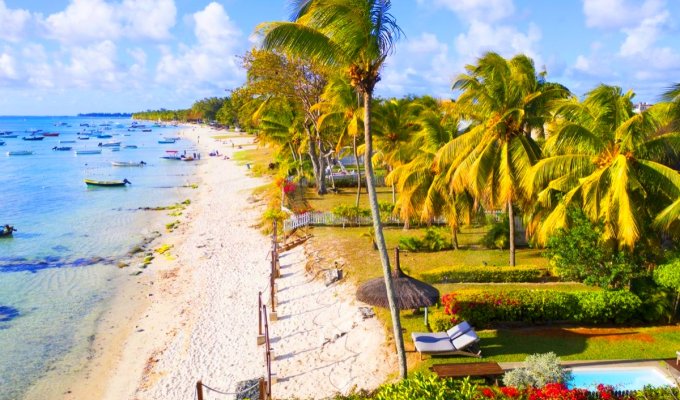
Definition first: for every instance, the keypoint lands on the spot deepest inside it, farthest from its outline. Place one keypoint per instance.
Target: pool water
(632, 378)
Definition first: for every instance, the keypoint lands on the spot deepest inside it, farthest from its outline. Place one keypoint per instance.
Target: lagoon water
(60, 268)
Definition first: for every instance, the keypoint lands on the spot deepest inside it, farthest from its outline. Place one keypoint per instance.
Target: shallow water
(60, 268)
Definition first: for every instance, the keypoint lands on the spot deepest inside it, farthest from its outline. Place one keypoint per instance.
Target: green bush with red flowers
(482, 308)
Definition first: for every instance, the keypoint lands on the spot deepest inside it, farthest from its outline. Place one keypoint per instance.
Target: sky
(63, 57)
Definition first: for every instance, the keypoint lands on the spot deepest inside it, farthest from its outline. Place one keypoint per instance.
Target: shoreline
(193, 315)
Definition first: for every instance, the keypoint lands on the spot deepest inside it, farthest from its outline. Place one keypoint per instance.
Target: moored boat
(66, 141)
(62, 148)
(81, 152)
(109, 144)
(164, 141)
(93, 182)
(33, 138)
(2, 143)
(104, 136)
(128, 164)
(130, 146)
(83, 138)
(50, 134)
(19, 153)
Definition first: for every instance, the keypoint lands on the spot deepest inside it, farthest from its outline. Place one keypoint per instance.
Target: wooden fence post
(199, 390)
(263, 389)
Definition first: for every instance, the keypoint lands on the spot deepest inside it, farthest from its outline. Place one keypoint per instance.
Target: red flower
(510, 391)
(487, 392)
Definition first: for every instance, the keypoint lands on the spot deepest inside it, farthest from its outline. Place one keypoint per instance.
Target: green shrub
(538, 371)
(428, 387)
(439, 321)
(498, 236)
(486, 273)
(350, 213)
(435, 239)
(531, 306)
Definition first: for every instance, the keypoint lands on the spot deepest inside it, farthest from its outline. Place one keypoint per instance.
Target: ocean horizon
(61, 267)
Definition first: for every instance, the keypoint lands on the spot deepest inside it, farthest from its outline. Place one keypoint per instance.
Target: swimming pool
(627, 378)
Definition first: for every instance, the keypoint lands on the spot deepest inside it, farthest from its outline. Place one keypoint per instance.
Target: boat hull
(91, 182)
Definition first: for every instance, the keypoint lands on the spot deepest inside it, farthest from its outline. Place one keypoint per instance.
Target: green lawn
(346, 196)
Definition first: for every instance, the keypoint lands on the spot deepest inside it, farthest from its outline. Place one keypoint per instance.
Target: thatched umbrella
(411, 293)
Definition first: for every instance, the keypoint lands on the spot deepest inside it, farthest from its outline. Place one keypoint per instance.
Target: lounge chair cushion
(459, 329)
(438, 342)
(465, 340)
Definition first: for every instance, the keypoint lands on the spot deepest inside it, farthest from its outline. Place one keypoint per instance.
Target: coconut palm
(423, 192)
(355, 36)
(505, 100)
(341, 107)
(612, 163)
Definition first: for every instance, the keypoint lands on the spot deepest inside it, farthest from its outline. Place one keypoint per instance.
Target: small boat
(110, 144)
(83, 138)
(92, 182)
(128, 164)
(104, 136)
(175, 138)
(19, 153)
(33, 138)
(146, 130)
(62, 148)
(130, 146)
(9, 135)
(81, 152)
(115, 148)
(7, 231)
(164, 141)
(66, 141)
(2, 143)
(50, 134)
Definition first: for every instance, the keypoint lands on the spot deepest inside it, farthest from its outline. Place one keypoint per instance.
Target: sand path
(194, 315)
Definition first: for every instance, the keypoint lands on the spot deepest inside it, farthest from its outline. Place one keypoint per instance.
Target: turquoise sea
(60, 268)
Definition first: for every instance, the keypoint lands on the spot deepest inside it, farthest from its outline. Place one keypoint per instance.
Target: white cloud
(12, 22)
(479, 10)
(94, 66)
(148, 18)
(643, 36)
(8, 70)
(96, 20)
(212, 59)
(503, 39)
(616, 14)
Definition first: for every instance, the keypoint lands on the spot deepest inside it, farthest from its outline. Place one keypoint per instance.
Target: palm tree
(423, 191)
(505, 100)
(612, 163)
(340, 107)
(355, 36)
(394, 130)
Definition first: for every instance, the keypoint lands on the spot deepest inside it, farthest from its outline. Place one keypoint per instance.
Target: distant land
(120, 115)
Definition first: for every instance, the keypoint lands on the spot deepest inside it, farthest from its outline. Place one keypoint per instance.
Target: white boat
(66, 141)
(81, 152)
(127, 164)
(175, 138)
(109, 144)
(19, 153)
(9, 136)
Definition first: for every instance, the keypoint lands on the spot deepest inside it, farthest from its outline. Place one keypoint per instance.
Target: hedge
(541, 306)
(464, 273)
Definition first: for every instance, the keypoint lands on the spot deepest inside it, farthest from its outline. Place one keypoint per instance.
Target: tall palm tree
(355, 36)
(505, 100)
(340, 107)
(612, 163)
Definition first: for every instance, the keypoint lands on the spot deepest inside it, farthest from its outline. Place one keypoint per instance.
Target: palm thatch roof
(411, 293)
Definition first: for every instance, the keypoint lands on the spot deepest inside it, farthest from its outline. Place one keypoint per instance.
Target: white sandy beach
(194, 316)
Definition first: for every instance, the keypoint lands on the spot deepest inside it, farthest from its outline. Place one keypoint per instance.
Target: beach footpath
(193, 314)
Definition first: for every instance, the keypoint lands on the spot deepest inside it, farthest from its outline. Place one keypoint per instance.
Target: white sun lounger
(459, 340)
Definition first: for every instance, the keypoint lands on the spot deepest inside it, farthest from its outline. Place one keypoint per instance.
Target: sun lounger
(459, 340)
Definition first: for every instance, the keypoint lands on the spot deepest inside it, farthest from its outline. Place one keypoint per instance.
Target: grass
(345, 196)
(258, 158)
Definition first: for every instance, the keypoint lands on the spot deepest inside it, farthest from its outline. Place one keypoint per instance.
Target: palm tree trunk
(511, 217)
(454, 237)
(380, 238)
(356, 160)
